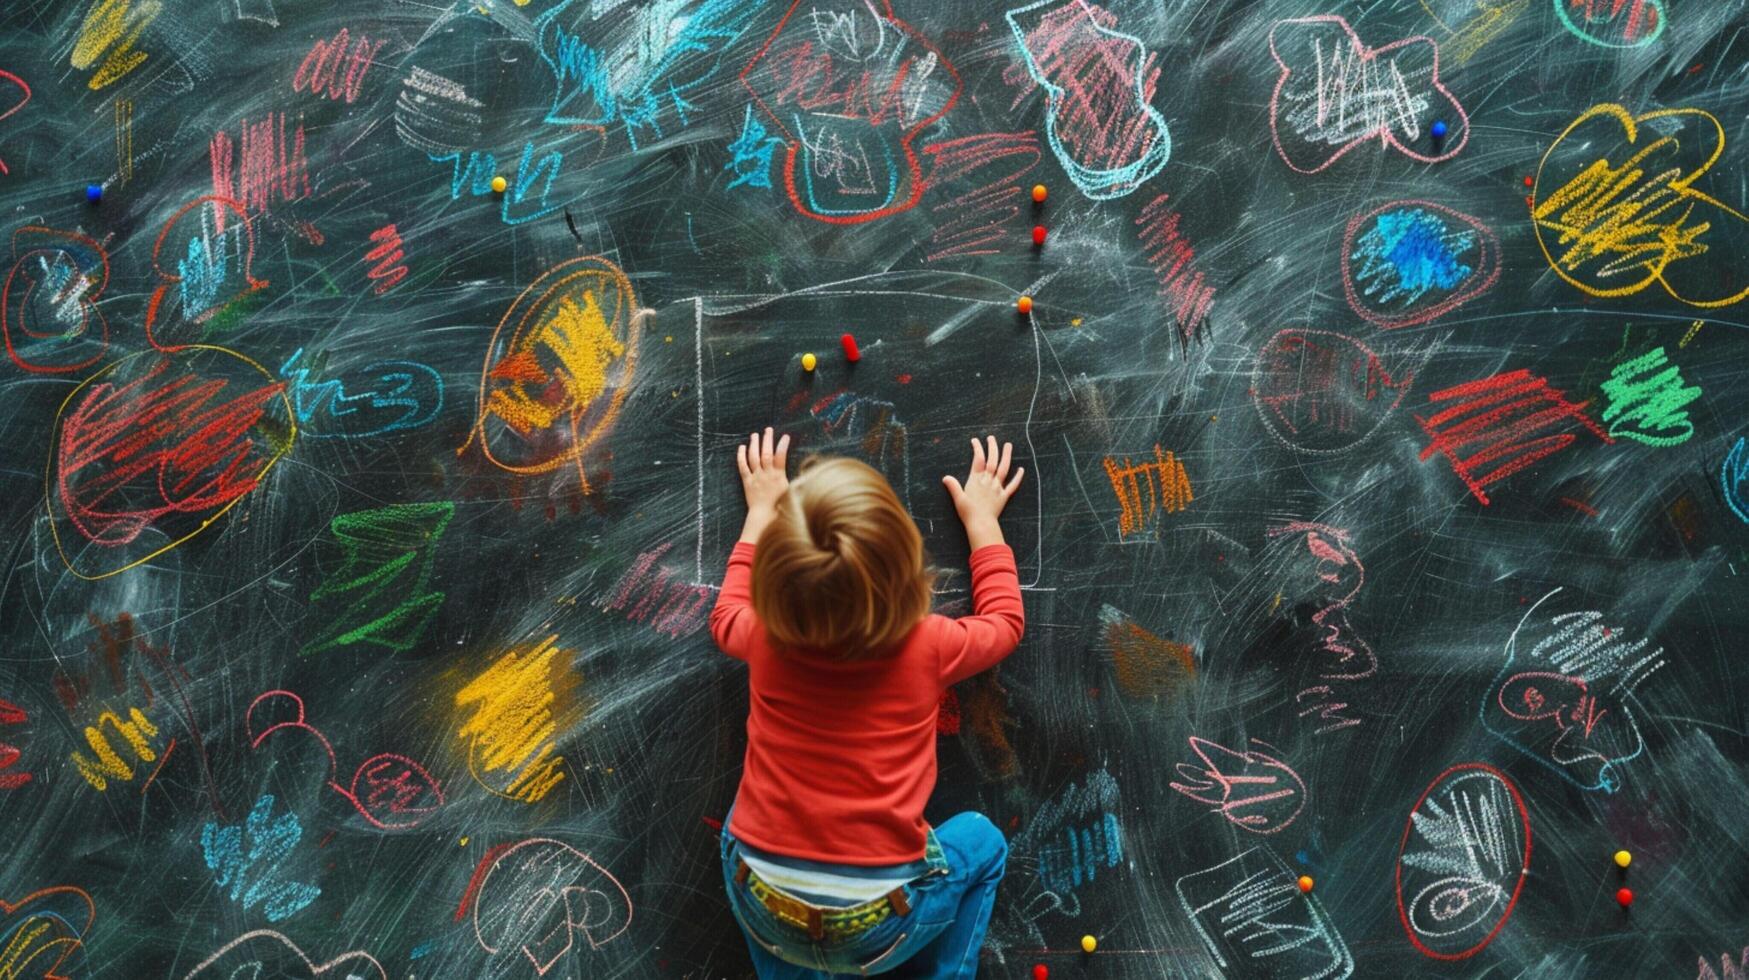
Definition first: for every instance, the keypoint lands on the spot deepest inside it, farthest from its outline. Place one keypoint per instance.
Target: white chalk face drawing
(1566, 693)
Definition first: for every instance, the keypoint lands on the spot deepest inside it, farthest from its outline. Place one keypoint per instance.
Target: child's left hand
(764, 478)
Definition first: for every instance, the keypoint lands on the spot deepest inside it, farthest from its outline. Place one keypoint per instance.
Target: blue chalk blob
(1439, 129)
(93, 193)
(1409, 252)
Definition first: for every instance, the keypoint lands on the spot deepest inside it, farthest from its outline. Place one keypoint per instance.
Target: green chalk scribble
(1648, 399)
(379, 594)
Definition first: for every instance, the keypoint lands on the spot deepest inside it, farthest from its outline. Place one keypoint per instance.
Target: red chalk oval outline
(1523, 870)
(1256, 377)
(1490, 259)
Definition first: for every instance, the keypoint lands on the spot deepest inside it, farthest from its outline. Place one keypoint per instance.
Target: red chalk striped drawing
(1493, 427)
(387, 255)
(11, 714)
(270, 165)
(1183, 286)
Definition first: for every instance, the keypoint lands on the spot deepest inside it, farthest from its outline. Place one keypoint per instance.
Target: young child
(829, 864)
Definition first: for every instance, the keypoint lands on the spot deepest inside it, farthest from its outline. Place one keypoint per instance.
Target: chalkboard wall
(1381, 399)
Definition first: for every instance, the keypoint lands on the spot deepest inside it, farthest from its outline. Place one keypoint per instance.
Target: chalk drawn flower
(1335, 94)
(1617, 207)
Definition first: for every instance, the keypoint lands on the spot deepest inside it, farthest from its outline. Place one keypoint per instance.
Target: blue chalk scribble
(247, 858)
(1732, 475)
(750, 154)
(202, 273)
(1409, 252)
(388, 396)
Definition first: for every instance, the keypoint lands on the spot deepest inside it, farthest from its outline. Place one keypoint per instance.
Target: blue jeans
(939, 938)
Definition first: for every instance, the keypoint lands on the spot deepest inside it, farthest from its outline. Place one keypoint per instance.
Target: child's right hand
(986, 491)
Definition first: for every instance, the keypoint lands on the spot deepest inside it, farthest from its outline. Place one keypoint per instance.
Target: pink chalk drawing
(390, 791)
(1099, 85)
(1321, 392)
(1335, 94)
(1253, 790)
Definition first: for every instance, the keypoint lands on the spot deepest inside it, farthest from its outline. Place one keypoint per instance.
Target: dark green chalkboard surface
(373, 372)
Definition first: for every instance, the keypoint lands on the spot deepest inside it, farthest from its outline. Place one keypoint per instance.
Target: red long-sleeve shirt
(841, 754)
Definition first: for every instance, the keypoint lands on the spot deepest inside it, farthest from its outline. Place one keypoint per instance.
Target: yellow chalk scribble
(1618, 228)
(1164, 479)
(109, 764)
(109, 31)
(1491, 19)
(518, 705)
(580, 339)
(559, 366)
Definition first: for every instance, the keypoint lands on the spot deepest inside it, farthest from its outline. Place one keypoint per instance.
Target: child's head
(841, 568)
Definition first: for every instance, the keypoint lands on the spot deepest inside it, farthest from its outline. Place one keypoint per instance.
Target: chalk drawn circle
(52, 271)
(1322, 392)
(1482, 274)
(1442, 912)
(552, 372)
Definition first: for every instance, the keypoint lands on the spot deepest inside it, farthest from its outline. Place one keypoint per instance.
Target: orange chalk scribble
(1166, 483)
(1147, 665)
(519, 704)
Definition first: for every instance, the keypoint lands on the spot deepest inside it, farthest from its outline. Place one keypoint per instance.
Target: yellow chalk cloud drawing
(519, 704)
(109, 31)
(1616, 228)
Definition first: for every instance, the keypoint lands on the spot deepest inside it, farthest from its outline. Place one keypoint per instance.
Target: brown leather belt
(838, 923)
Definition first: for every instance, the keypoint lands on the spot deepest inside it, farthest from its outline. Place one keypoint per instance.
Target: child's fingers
(991, 456)
(782, 461)
(770, 450)
(977, 456)
(753, 451)
(1014, 484)
(954, 489)
(741, 461)
(1007, 460)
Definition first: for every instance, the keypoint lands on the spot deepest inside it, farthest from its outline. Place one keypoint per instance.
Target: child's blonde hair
(841, 568)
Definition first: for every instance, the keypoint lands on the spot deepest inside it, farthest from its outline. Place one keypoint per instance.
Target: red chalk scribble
(1100, 85)
(1183, 286)
(1580, 506)
(983, 218)
(1496, 426)
(671, 607)
(270, 168)
(24, 96)
(387, 255)
(11, 714)
(1323, 392)
(155, 441)
(321, 72)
